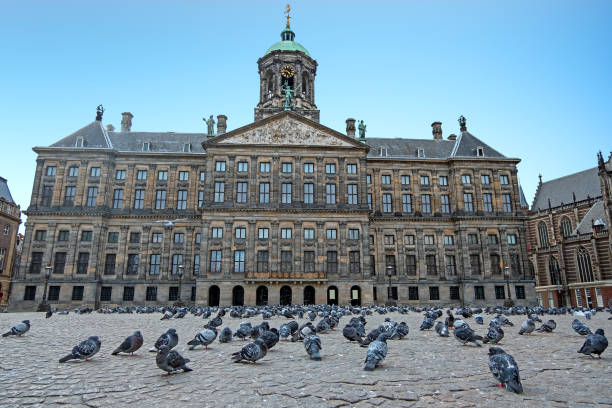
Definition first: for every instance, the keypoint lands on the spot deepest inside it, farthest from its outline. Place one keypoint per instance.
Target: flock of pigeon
(501, 364)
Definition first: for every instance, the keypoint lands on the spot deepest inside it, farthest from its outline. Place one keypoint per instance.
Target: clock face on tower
(287, 71)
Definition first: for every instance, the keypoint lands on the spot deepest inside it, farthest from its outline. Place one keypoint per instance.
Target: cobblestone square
(422, 370)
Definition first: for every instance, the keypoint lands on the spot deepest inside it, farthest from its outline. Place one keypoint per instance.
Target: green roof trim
(287, 46)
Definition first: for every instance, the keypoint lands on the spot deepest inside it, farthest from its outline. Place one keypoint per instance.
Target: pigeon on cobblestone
(547, 327)
(450, 320)
(505, 370)
(372, 336)
(377, 351)
(243, 331)
(494, 335)
(464, 334)
(441, 329)
(84, 350)
(581, 328)
(427, 324)
(130, 344)
(167, 315)
(288, 329)
(48, 314)
(19, 329)
(594, 344)
(400, 331)
(171, 361)
(169, 338)
(216, 322)
(478, 318)
(270, 337)
(204, 338)
(312, 344)
(350, 333)
(527, 327)
(251, 352)
(225, 336)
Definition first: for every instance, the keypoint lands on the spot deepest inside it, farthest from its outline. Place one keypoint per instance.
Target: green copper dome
(287, 43)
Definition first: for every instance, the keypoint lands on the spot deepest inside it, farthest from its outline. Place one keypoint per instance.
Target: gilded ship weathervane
(287, 10)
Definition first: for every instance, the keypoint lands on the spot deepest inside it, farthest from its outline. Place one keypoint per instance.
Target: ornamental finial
(287, 10)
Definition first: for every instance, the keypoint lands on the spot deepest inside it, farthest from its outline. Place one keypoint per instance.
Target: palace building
(282, 210)
(10, 218)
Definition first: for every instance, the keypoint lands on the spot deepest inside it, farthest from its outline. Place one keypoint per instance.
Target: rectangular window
(173, 293)
(285, 233)
(151, 295)
(449, 240)
(309, 261)
(120, 175)
(352, 194)
(472, 239)
(405, 180)
(389, 239)
(411, 266)
(372, 265)
(430, 261)
(92, 194)
(29, 292)
(240, 233)
(479, 293)
(485, 179)
(331, 233)
(154, 264)
(386, 179)
(368, 179)
(54, 292)
(451, 268)
(239, 261)
(128, 293)
(179, 238)
(264, 167)
(201, 198)
(47, 196)
(40, 235)
(36, 262)
(308, 193)
(177, 263)
(196, 264)
(500, 292)
(132, 265)
(202, 176)
(354, 262)
(82, 263)
(434, 293)
(308, 167)
(141, 175)
(264, 193)
(429, 240)
(50, 171)
(426, 203)
(162, 175)
(454, 293)
(262, 233)
(413, 293)
(370, 205)
(519, 291)
(86, 236)
(118, 198)
(475, 264)
(467, 202)
(219, 192)
(330, 193)
(160, 199)
(492, 238)
(286, 261)
(351, 169)
(215, 261)
(77, 293)
(69, 195)
(330, 168)
(139, 196)
(60, 262)
(390, 264)
(183, 176)
(73, 171)
(262, 261)
(424, 180)
(443, 180)
(387, 206)
(241, 192)
(198, 238)
(511, 239)
(287, 167)
(466, 179)
(109, 264)
(503, 179)
(308, 233)
(220, 165)
(243, 167)
(353, 233)
(157, 237)
(507, 201)
(332, 261)
(515, 265)
(406, 203)
(286, 193)
(181, 200)
(112, 238)
(409, 239)
(487, 201)
(134, 237)
(94, 172)
(445, 203)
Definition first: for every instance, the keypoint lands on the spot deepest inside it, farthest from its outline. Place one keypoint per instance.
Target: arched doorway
(285, 295)
(309, 295)
(213, 295)
(261, 296)
(356, 296)
(332, 295)
(238, 296)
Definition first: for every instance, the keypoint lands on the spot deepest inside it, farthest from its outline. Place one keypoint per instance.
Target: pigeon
(270, 338)
(306, 330)
(581, 328)
(84, 350)
(226, 335)
(204, 338)
(312, 344)
(170, 360)
(400, 331)
(167, 315)
(427, 324)
(372, 336)
(48, 314)
(311, 315)
(377, 351)
(251, 352)
(322, 326)
(494, 335)
(464, 334)
(244, 330)
(450, 320)
(130, 344)
(19, 329)
(504, 368)
(594, 344)
(350, 333)
(547, 327)
(180, 314)
(441, 329)
(216, 322)
(527, 327)
(479, 319)
(169, 338)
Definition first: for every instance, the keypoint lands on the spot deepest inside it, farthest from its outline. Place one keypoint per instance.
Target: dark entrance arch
(261, 296)
(332, 295)
(238, 296)
(356, 296)
(213, 295)
(309, 295)
(285, 295)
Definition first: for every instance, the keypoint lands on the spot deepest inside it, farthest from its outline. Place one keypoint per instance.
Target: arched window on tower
(553, 269)
(270, 88)
(543, 233)
(584, 265)
(566, 227)
(305, 85)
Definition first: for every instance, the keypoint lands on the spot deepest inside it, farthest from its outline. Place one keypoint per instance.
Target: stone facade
(283, 210)
(10, 218)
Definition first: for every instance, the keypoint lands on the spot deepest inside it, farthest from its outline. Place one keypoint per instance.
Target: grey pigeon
(377, 351)
(581, 328)
(312, 344)
(527, 327)
(84, 350)
(204, 338)
(130, 344)
(19, 329)
(372, 336)
(594, 344)
(311, 315)
(48, 314)
(479, 319)
(441, 329)
(226, 335)
(464, 334)
(167, 315)
(505, 370)
(322, 326)
(350, 333)
(547, 327)
(427, 324)
(169, 338)
(251, 352)
(216, 322)
(270, 338)
(243, 331)
(400, 331)
(494, 335)
(170, 360)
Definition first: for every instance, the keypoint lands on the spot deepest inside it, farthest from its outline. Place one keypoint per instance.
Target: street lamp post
(508, 302)
(389, 272)
(179, 302)
(44, 306)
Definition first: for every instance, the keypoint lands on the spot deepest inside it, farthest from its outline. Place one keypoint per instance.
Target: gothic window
(584, 265)
(566, 227)
(553, 269)
(543, 233)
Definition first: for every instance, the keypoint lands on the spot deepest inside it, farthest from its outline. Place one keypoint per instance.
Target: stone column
(37, 188)
(365, 251)
(226, 260)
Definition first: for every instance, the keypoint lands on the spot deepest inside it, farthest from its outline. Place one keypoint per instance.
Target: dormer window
(187, 148)
(383, 152)
(480, 151)
(81, 142)
(420, 152)
(146, 147)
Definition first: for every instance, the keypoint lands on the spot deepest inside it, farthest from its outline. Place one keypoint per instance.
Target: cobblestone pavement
(423, 370)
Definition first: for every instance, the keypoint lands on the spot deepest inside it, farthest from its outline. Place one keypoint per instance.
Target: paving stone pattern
(423, 370)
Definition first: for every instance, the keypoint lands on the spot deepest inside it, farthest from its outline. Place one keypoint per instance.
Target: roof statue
(99, 113)
(210, 123)
(289, 93)
(362, 129)
(462, 126)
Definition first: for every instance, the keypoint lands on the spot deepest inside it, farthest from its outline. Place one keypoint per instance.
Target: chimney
(436, 129)
(452, 136)
(110, 128)
(221, 124)
(350, 127)
(126, 121)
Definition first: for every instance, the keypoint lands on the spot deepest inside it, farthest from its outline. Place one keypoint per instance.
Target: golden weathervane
(287, 10)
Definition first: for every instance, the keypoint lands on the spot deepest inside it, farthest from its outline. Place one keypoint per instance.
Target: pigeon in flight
(594, 344)
(130, 344)
(171, 361)
(84, 350)
(504, 368)
(312, 344)
(19, 329)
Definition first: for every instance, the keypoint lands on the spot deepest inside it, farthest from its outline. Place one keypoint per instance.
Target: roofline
(570, 175)
(114, 151)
